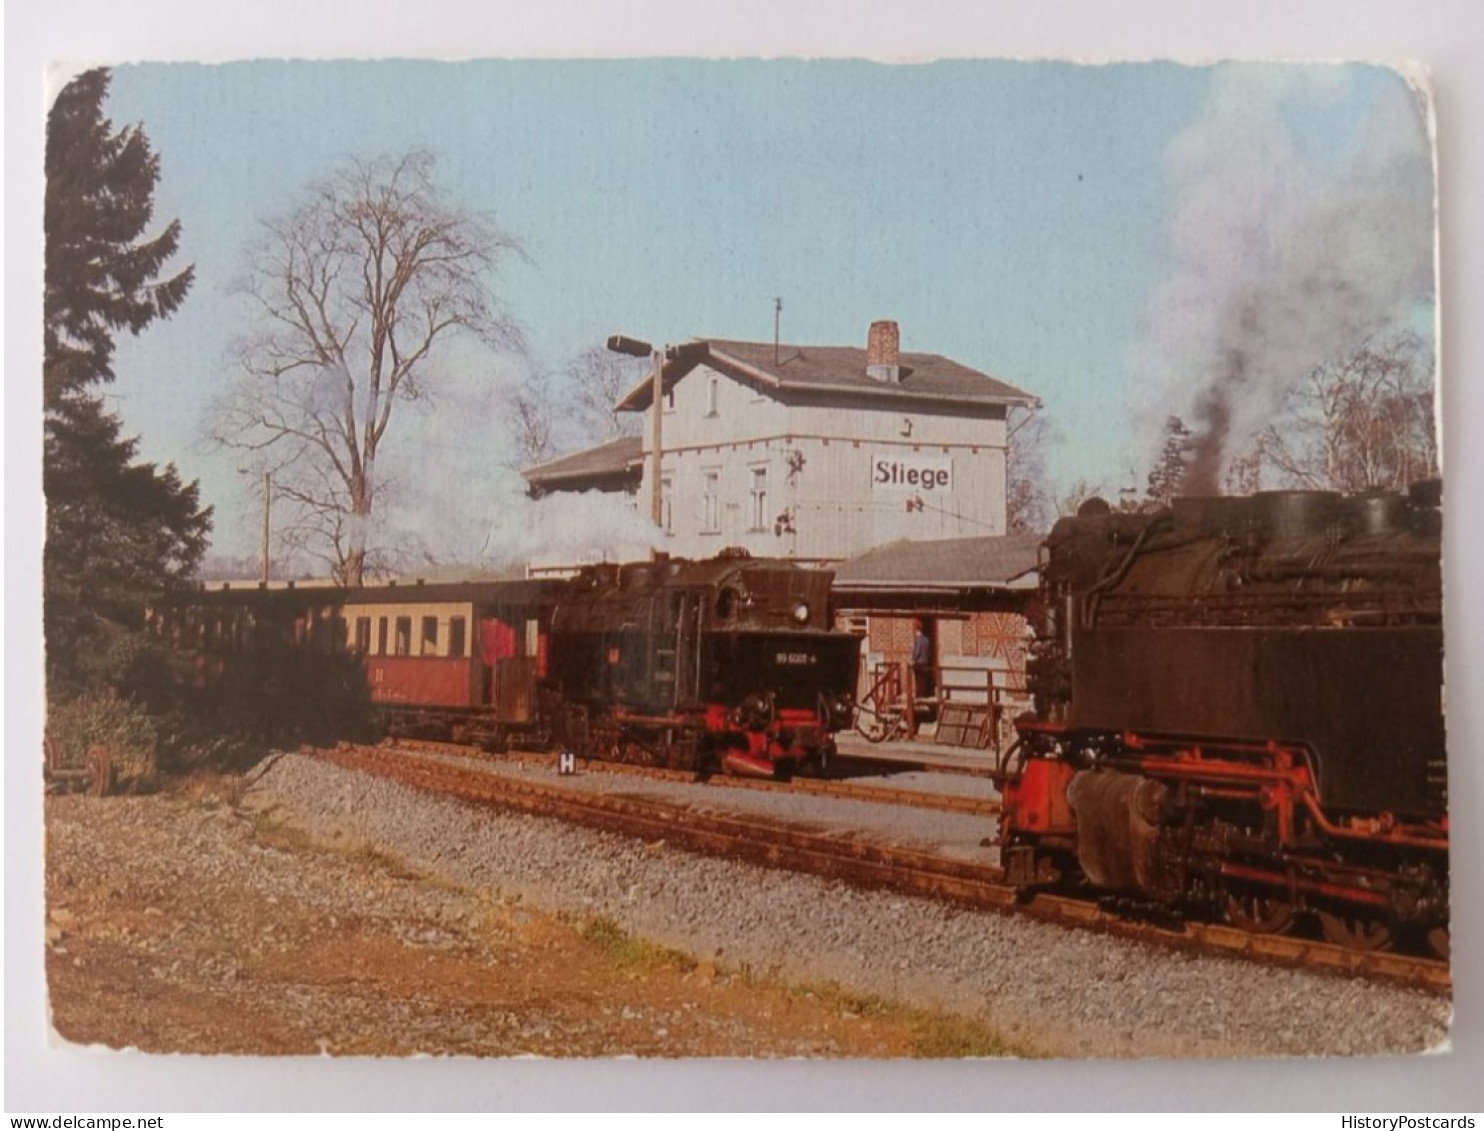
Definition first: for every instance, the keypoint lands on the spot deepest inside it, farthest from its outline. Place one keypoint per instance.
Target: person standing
(922, 661)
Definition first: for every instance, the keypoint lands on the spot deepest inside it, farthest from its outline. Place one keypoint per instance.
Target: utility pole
(777, 317)
(657, 498)
(267, 504)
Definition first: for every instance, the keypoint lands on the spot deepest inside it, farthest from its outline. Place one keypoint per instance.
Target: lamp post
(633, 347)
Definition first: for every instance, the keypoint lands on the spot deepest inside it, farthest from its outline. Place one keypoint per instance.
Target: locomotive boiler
(1239, 712)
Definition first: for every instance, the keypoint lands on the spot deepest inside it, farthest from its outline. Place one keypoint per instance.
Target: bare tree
(532, 422)
(598, 379)
(1168, 475)
(1029, 506)
(1083, 490)
(354, 295)
(1359, 422)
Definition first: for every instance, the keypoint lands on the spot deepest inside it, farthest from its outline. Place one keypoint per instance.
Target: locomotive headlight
(801, 612)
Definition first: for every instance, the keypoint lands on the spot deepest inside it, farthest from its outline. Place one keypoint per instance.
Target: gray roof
(831, 369)
(1000, 562)
(615, 458)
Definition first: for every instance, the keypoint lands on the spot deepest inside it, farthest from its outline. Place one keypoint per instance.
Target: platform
(911, 754)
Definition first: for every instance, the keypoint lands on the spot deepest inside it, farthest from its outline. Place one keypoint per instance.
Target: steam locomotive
(722, 664)
(1239, 713)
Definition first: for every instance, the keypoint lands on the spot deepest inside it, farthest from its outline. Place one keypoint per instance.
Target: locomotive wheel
(1354, 931)
(1439, 941)
(631, 752)
(1259, 914)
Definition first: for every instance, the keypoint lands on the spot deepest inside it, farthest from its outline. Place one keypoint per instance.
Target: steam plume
(1291, 246)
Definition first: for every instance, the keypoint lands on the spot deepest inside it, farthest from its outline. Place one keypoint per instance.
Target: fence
(974, 706)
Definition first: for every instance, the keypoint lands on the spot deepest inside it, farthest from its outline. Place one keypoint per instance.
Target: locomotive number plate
(796, 659)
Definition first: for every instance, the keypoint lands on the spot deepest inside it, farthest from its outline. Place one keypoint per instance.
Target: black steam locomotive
(1239, 710)
(728, 663)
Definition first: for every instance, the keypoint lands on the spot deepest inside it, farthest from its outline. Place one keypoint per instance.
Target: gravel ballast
(1064, 992)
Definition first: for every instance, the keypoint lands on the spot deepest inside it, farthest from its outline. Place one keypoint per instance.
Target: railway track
(839, 790)
(778, 844)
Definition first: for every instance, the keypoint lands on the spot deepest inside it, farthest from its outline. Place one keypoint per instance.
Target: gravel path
(1065, 992)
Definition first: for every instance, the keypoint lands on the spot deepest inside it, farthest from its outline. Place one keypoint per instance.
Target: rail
(780, 844)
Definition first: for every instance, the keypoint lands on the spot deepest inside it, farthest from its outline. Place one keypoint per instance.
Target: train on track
(728, 663)
(1239, 712)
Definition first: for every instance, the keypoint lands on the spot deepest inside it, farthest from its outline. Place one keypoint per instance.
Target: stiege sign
(912, 473)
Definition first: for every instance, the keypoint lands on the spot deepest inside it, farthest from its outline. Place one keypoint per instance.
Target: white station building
(889, 465)
(816, 453)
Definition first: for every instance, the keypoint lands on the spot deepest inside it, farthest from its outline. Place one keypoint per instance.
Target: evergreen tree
(100, 277)
(117, 531)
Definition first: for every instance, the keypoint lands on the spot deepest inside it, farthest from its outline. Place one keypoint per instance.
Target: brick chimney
(881, 353)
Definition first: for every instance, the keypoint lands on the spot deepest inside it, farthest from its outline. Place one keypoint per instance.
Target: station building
(823, 454)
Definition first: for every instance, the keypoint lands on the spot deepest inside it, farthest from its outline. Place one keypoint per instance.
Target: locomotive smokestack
(882, 357)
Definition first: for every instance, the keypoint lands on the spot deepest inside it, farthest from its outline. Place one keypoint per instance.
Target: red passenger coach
(454, 660)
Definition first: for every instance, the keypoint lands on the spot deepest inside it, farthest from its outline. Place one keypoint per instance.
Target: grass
(633, 955)
(932, 1034)
(929, 1034)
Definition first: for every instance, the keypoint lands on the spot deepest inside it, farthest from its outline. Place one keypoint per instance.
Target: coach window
(429, 637)
(455, 636)
(403, 645)
(381, 636)
(363, 635)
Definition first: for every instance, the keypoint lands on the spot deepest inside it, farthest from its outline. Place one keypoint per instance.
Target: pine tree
(117, 531)
(99, 277)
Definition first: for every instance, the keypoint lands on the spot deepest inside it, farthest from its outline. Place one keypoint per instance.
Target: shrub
(103, 719)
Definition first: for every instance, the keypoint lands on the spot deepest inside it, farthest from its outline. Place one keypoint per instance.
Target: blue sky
(1027, 219)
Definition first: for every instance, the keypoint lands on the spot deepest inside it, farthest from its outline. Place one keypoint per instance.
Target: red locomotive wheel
(1258, 913)
(1354, 931)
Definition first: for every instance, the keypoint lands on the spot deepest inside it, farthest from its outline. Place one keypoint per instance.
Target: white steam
(1285, 255)
(453, 498)
(568, 529)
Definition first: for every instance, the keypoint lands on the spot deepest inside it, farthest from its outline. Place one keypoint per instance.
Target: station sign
(915, 473)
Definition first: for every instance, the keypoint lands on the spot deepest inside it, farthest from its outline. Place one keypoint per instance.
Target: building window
(381, 636)
(429, 636)
(363, 635)
(456, 636)
(403, 645)
(759, 498)
(667, 489)
(711, 387)
(710, 502)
